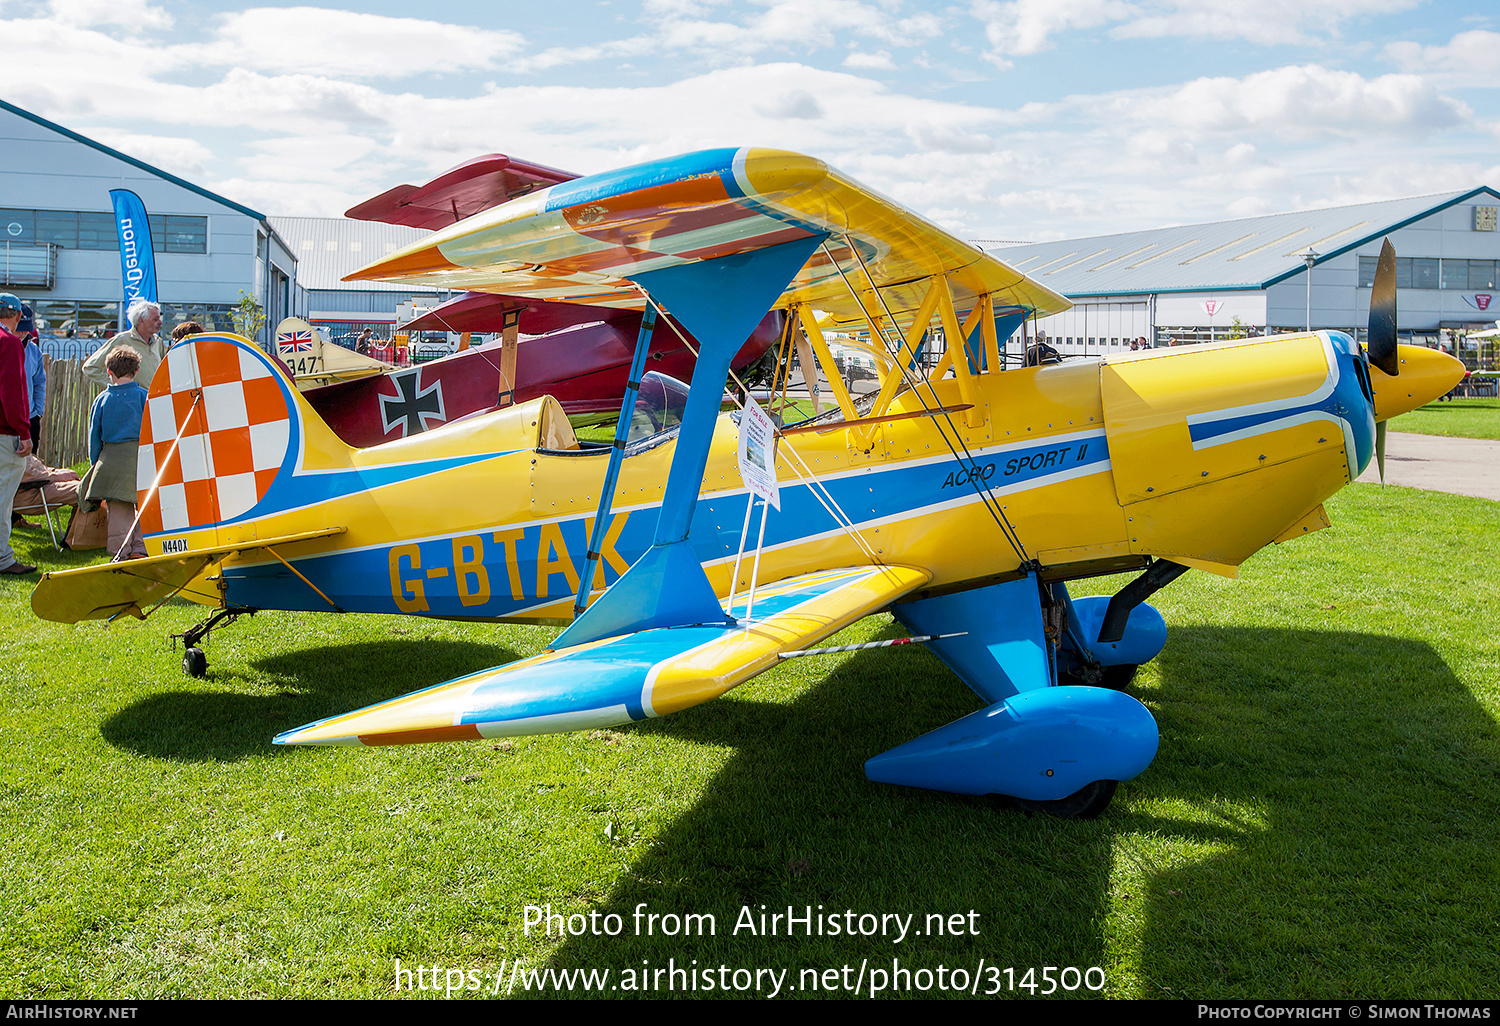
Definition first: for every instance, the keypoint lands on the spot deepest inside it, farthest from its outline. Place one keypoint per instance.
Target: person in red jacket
(15, 424)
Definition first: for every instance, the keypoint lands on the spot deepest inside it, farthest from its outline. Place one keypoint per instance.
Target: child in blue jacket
(114, 438)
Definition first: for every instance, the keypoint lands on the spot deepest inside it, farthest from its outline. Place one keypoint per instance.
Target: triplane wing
(958, 497)
(459, 192)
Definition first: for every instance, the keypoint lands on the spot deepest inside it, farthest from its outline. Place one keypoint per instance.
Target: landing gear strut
(194, 662)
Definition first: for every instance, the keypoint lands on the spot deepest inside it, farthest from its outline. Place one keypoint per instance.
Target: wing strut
(616, 457)
(719, 301)
(986, 494)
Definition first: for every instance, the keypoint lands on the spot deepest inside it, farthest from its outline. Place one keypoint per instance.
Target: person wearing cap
(145, 321)
(36, 378)
(15, 424)
(36, 374)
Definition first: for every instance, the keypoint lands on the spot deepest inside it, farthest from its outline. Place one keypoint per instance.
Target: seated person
(45, 488)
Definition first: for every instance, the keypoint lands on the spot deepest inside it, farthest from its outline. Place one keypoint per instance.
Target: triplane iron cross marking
(415, 408)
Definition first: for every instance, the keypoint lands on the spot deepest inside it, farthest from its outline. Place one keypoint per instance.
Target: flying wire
(815, 486)
(982, 489)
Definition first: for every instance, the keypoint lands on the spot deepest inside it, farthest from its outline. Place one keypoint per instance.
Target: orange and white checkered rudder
(235, 442)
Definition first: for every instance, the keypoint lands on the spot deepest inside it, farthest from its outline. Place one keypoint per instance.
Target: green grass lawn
(1464, 418)
(1320, 820)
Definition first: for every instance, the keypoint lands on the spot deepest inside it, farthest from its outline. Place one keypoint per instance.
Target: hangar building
(328, 248)
(1225, 279)
(61, 255)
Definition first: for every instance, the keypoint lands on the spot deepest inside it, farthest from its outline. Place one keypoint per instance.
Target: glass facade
(68, 319)
(72, 330)
(86, 229)
(1434, 273)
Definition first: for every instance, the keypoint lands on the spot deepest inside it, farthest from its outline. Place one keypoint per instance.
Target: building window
(90, 229)
(59, 227)
(71, 331)
(1433, 273)
(178, 233)
(17, 225)
(96, 231)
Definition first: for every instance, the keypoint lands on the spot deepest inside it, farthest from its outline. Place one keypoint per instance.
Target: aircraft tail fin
(223, 432)
(300, 346)
(315, 361)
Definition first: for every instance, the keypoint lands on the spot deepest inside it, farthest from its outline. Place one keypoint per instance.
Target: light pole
(1309, 258)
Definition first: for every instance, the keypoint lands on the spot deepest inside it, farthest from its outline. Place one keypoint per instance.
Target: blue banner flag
(137, 262)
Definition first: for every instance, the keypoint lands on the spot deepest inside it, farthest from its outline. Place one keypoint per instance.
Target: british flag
(295, 341)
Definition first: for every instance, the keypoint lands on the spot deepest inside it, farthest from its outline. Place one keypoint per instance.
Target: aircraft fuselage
(1202, 455)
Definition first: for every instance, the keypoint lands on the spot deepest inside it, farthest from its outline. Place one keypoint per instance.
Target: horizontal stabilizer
(105, 591)
(626, 678)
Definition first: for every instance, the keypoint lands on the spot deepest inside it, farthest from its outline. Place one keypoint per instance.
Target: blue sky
(1000, 119)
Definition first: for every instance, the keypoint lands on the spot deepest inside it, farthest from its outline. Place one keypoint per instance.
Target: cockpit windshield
(658, 406)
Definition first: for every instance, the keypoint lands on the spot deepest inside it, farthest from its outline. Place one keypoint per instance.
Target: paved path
(1463, 466)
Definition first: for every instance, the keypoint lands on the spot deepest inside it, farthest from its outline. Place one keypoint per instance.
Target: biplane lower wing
(104, 592)
(625, 678)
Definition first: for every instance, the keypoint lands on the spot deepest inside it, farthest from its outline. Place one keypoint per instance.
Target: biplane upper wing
(105, 591)
(588, 241)
(459, 192)
(624, 678)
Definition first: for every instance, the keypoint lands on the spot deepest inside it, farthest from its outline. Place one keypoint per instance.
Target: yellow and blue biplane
(961, 498)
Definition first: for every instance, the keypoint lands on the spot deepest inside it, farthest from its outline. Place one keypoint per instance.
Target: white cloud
(1019, 28)
(798, 103)
(187, 158)
(1475, 56)
(680, 8)
(1383, 179)
(302, 125)
(1268, 22)
(880, 60)
(353, 45)
(1024, 27)
(799, 26)
(132, 14)
(1164, 147)
(322, 157)
(1302, 101)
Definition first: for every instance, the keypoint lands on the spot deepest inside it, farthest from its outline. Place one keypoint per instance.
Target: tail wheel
(194, 662)
(1085, 803)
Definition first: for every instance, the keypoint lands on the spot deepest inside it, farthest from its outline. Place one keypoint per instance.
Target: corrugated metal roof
(327, 248)
(1249, 253)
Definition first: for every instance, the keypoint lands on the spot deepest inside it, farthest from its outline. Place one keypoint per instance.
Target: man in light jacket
(145, 321)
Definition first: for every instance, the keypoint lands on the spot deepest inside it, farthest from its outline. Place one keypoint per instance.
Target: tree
(248, 316)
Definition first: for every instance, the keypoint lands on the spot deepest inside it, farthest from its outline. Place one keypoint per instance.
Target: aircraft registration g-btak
(961, 499)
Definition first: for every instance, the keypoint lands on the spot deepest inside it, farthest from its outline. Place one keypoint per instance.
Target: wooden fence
(65, 427)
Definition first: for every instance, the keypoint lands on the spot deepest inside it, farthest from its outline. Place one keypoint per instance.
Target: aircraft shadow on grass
(225, 726)
(1377, 778)
(790, 820)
